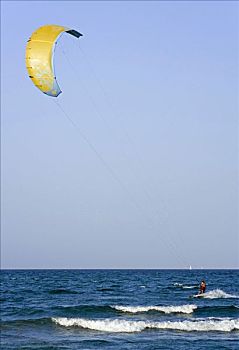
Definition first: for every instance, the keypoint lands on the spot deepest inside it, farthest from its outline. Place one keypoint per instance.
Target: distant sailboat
(190, 267)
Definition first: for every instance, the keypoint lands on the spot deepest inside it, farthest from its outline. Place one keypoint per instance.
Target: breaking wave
(185, 309)
(124, 326)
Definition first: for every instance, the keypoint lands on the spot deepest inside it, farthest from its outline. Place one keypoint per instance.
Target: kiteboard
(198, 295)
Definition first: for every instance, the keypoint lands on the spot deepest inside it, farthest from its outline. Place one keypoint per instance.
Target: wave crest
(124, 326)
(185, 309)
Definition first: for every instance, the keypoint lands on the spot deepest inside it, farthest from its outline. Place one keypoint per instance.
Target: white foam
(218, 293)
(180, 285)
(185, 309)
(107, 325)
(200, 326)
(124, 326)
(189, 287)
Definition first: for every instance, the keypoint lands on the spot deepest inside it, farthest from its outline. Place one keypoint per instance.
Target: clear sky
(147, 177)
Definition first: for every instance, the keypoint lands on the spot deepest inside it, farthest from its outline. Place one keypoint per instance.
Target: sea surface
(119, 309)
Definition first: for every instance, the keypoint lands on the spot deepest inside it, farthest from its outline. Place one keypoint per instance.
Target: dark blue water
(119, 309)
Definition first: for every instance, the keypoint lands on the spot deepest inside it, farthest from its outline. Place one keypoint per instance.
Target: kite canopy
(40, 55)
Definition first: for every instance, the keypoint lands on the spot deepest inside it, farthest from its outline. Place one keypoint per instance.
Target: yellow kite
(40, 55)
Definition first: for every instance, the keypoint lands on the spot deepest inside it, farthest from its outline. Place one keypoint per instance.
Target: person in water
(202, 288)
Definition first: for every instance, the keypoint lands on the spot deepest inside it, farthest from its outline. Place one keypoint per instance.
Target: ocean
(119, 309)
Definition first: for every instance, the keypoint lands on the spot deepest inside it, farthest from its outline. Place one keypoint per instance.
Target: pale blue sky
(154, 89)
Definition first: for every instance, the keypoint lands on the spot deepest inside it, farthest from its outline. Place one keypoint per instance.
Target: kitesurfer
(202, 288)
